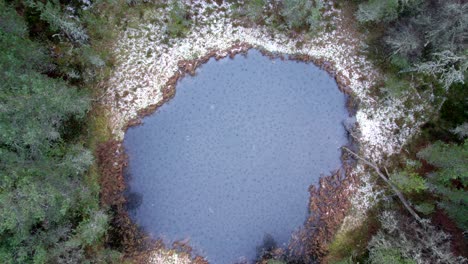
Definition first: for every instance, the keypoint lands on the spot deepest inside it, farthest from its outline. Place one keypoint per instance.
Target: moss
(98, 127)
(352, 245)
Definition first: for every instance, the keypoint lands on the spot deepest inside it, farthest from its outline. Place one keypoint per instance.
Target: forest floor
(149, 62)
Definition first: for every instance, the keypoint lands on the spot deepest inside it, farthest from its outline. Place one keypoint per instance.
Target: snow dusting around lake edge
(146, 59)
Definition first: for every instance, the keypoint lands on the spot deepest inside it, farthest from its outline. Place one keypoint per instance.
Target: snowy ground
(146, 60)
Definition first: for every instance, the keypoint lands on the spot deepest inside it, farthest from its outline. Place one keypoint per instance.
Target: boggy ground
(148, 66)
(329, 202)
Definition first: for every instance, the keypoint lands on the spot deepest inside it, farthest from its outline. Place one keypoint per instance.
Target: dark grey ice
(231, 156)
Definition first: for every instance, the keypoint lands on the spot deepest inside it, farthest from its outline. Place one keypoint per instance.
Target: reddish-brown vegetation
(123, 234)
(329, 202)
(328, 205)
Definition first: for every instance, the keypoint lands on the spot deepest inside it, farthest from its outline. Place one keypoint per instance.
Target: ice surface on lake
(230, 157)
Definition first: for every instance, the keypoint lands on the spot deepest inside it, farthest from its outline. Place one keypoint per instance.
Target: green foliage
(451, 178)
(254, 10)
(388, 256)
(377, 10)
(425, 208)
(408, 182)
(403, 240)
(395, 86)
(52, 13)
(47, 213)
(350, 247)
(62, 27)
(91, 230)
(446, 26)
(448, 123)
(461, 130)
(302, 13)
(315, 16)
(451, 68)
(11, 23)
(295, 12)
(81, 63)
(412, 165)
(425, 37)
(401, 62)
(404, 41)
(451, 159)
(454, 110)
(179, 23)
(443, 30)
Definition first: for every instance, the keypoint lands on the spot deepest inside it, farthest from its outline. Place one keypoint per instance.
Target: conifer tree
(450, 180)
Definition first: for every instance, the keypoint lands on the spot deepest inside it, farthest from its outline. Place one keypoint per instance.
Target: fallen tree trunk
(386, 180)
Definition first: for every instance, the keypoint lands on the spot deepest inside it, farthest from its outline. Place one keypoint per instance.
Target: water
(230, 157)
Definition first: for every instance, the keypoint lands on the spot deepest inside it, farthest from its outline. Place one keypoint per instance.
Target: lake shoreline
(148, 68)
(329, 197)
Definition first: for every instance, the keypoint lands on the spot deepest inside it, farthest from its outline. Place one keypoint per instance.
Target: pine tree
(302, 13)
(403, 240)
(377, 10)
(52, 13)
(254, 9)
(47, 213)
(451, 178)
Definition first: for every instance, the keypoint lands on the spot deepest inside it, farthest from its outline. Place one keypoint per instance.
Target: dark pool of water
(230, 157)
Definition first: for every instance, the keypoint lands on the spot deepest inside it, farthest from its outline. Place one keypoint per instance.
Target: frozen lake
(230, 157)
